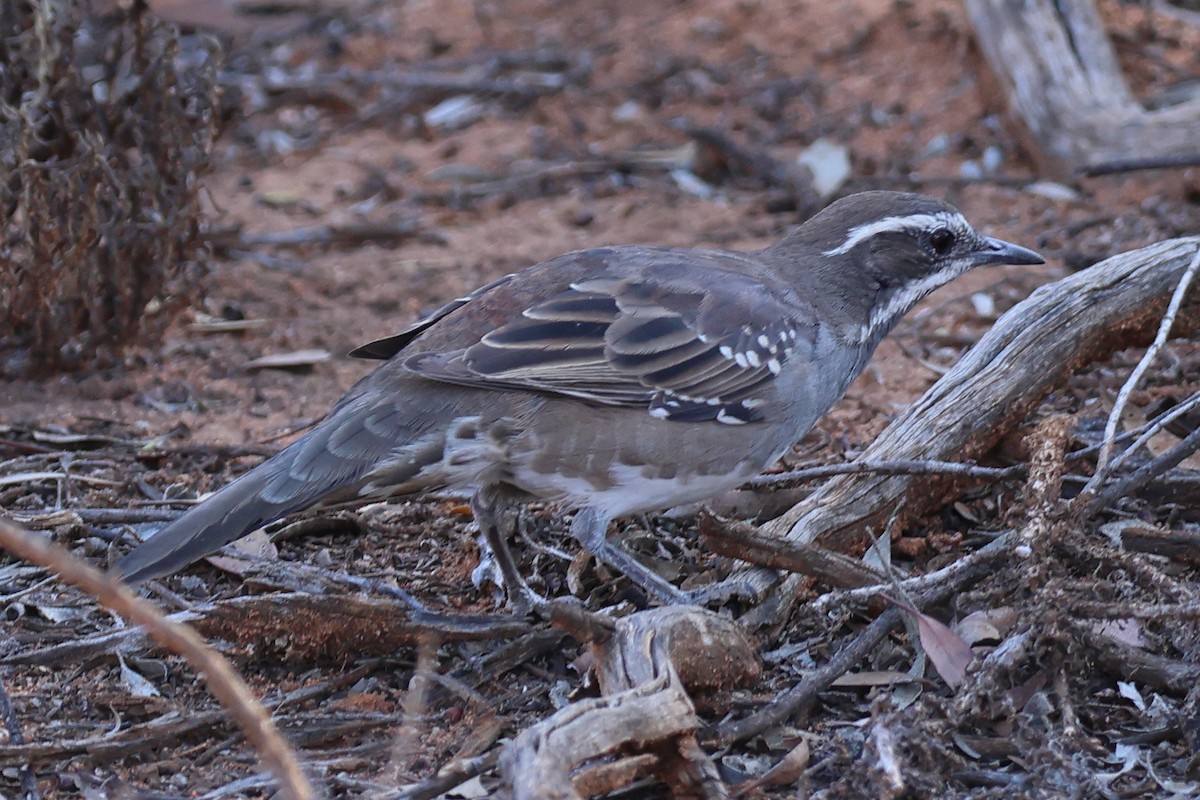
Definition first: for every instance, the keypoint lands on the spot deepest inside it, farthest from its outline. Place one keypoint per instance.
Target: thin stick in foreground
(223, 681)
(1135, 377)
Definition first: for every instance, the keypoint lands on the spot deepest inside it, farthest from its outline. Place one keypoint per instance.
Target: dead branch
(222, 679)
(304, 627)
(294, 627)
(1062, 77)
(1043, 491)
(1029, 352)
(1125, 610)
(1181, 545)
(645, 725)
(1133, 664)
(747, 543)
(109, 746)
(961, 572)
(906, 467)
(1155, 468)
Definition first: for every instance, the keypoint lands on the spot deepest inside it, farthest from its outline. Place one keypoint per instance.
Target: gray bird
(614, 381)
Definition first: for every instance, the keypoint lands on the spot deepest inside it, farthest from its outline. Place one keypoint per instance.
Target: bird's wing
(383, 349)
(686, 341)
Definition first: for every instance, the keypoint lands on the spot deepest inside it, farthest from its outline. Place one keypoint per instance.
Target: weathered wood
(1028, 353)
(293, 627)
(645, 724)
(1062, 78)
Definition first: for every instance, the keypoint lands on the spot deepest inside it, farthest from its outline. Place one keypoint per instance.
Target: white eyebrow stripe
(896, 224)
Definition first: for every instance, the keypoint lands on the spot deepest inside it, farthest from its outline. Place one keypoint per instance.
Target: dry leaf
(949, 653)
(1131, 693)
(1126, 631)
(789, 768)
(257, 545)
(985, 625)
(1021, 694)
(137, 683)
(870, 678)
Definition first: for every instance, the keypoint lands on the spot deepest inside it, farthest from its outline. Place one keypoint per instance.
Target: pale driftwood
(1062, 78)
(645, 724)
(1029, 352)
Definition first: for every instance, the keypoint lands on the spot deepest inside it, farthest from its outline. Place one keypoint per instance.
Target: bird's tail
(234, 511)
(360, 440)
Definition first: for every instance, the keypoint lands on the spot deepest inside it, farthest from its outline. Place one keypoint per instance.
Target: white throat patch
(912, 222)
(899, 303)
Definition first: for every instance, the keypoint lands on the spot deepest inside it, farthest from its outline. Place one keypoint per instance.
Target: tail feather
(346, 451)
(231, 513)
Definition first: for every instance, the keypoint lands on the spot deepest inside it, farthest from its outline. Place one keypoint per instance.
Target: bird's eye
(941, 241)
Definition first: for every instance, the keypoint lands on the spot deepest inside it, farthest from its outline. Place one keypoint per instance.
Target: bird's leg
(488, 506)
(590, 529)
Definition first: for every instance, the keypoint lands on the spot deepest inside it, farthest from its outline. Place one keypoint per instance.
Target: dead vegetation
(104, 128)
(998, 598)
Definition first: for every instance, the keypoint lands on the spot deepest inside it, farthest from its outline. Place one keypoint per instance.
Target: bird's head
(881, 252)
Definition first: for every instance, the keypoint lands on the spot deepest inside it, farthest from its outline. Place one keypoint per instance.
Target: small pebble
(937, 146)
(1052, 190)
(993, 157)
(629, 111)
(985, 304)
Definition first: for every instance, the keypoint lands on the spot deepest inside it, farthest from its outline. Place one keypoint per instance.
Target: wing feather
(695, 345)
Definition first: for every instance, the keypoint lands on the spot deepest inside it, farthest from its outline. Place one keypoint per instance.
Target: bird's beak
(996, 251)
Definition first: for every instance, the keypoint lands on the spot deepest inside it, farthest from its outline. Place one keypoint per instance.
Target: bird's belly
(627, 489)
(627, 462)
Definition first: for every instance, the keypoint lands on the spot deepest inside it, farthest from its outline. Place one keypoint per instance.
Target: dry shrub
(104, 126)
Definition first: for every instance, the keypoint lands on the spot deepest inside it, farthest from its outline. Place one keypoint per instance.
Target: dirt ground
(899, 84)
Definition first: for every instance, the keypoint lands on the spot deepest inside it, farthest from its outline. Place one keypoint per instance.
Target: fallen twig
(792, 701)
(1143, 474)
(112, 746)
(909, 466)
(453, 774)
(1135, 377)
(747, 543)
(223, 681)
